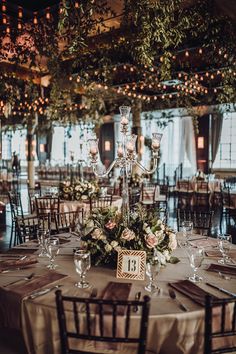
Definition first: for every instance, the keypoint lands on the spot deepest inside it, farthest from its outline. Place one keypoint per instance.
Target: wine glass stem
(82, 278)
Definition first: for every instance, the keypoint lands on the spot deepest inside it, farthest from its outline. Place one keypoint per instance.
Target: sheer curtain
(188, 144)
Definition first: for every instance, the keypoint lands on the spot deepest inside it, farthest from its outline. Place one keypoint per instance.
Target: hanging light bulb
(4, 20)
(35, 20)
(8, 30)
(48, 15)
(4, 8)
(187, 53)
(20, 12)
(200, 51)
(76, 4)
(19, 25)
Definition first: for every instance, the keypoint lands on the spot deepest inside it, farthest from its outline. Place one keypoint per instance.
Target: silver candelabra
(126, 158)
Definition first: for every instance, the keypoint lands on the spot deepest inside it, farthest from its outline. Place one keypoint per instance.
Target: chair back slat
(76, 317)
(225, 308)
(114, 316)
(104, 315)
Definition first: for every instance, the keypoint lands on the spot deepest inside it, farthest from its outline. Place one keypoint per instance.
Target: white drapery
(187, 144)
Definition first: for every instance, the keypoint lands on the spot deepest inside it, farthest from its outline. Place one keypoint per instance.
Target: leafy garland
(152, 34)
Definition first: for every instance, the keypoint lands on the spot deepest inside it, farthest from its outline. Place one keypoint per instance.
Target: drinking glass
(196, 256)
(52, 247)
(82, 262)
(224, 244)
(42, 236)
(152, 269)
(187, 228)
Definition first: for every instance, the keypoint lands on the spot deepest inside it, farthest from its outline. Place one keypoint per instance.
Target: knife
(44, 291)
(221, 289)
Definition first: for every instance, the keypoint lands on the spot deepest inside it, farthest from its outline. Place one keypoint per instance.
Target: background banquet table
(67, 205)
(170, 330)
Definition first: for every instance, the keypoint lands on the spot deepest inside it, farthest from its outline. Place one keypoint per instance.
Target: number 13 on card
(131, 264)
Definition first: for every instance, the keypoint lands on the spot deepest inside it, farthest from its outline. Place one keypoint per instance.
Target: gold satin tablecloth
(170, 330)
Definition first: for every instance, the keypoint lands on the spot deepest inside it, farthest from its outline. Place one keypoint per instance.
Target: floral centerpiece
(104, 234)
(78, 190)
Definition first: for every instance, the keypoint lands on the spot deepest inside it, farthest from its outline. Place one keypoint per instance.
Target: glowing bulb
(20, 13)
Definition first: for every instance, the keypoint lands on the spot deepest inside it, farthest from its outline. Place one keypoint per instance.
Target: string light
(4, 8)
(200, 51)
(19, 25)
(48, 15)
(20, 12)
(187, 53)
(4, 20)
(76, 5)
(8, 30)
(35, 20)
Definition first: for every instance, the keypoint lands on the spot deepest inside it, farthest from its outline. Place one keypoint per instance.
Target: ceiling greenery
(167, 53)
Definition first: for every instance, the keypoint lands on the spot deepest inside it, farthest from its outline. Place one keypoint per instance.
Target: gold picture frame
(131, 265)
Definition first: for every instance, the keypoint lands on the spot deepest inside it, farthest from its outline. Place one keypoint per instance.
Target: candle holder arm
(143, 168)
(106, 173)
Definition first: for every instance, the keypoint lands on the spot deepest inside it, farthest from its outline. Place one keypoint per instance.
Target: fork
(30, 276)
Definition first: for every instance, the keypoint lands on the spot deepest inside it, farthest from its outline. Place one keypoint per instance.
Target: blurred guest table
(170, 329)
(68, 205)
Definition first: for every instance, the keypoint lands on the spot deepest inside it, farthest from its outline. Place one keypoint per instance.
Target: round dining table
(170, 329)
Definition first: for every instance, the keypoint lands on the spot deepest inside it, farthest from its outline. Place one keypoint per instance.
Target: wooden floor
(6, 232)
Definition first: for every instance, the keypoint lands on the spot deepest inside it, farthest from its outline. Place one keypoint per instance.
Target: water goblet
(42, 236)
(152, 269)
(196, 256)
(52, 247)
(187, 228)
(82, 262)
(224, 244)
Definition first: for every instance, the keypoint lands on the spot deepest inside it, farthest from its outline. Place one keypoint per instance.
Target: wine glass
(52, 247)
(152, 269)
(187, 228)
(82, 262)
(196, 256)
(42, 236)
(224, 244)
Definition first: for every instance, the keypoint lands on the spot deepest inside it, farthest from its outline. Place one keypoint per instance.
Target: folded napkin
(191, 290)
(17, 263)
(113, 291)
(11, 297)
(222, 268)
(217, 253)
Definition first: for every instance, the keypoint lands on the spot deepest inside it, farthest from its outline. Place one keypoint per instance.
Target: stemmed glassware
(52, 247)
(42, 236)
(82, 260)
(152, 269)
(187, 228)
(196, 256)
(224, 244)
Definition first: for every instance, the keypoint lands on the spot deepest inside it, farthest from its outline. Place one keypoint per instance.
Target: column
(31, 150)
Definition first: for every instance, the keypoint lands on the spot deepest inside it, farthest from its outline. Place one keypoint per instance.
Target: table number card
(131, 264)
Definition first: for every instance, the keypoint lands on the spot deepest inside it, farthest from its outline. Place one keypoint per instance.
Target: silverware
(14, 269)
(30, 276)
(230, 293)
(173, 296)
(136, 298)
(225, 276)
(44, 291)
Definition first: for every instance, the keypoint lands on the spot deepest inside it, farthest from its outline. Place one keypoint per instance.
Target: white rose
(108, 248)
(161, 257)
(114, 244)
(97, 234)
(167, 255)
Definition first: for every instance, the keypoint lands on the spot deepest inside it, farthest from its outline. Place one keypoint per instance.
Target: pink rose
(110, 225)
(128, 234)
(151, 241)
